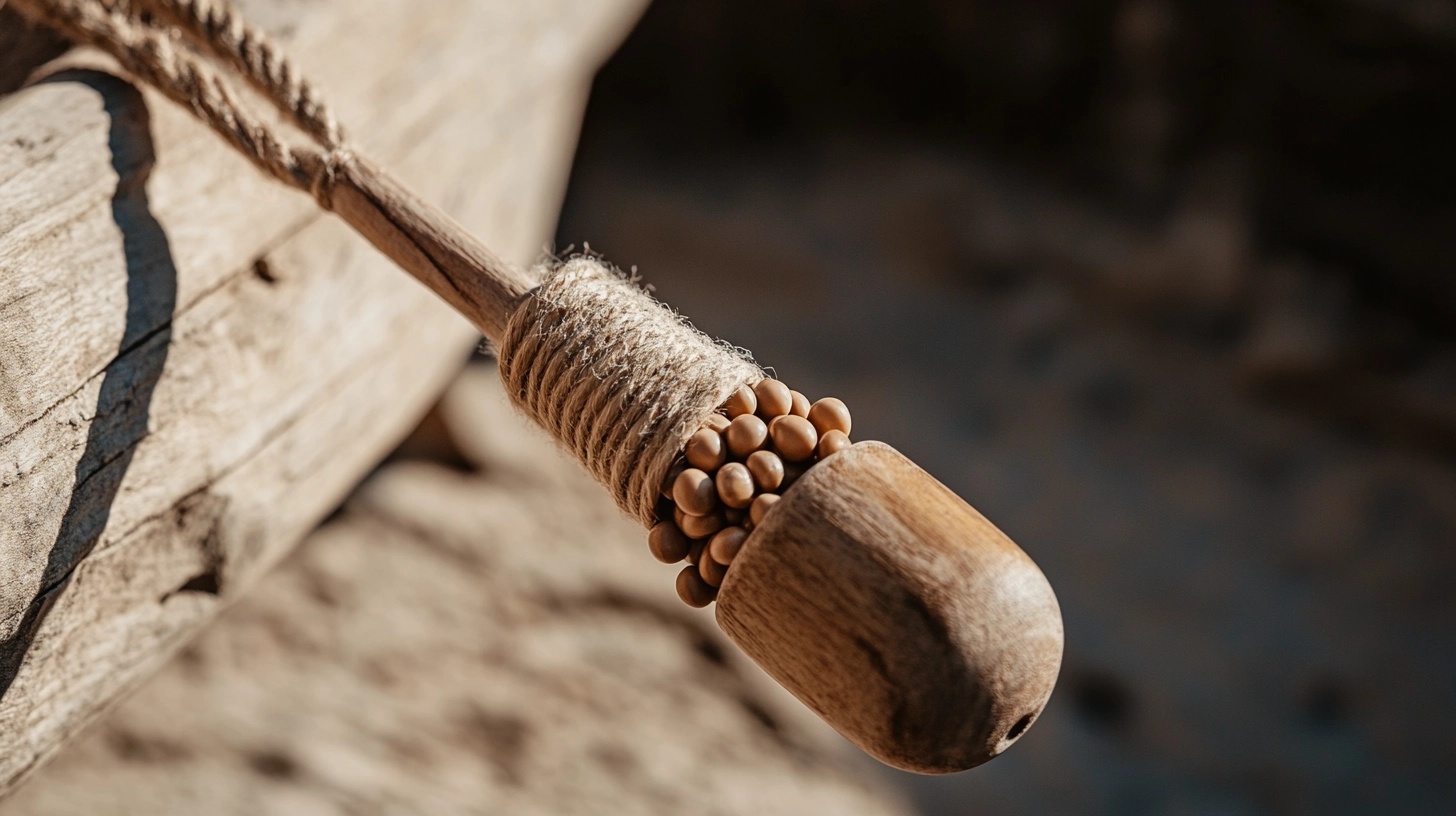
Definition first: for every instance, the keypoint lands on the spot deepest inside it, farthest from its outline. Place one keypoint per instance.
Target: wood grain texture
(195, 366)
(896, 612)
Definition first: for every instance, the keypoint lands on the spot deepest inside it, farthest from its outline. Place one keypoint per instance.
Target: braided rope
(149, 53)
(217, 28)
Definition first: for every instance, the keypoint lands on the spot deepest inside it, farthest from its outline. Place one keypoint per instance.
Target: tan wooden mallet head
(896, 612)
(869, 590)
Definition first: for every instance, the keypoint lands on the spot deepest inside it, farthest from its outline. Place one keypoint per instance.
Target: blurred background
(1167, 289)
(1164, 288)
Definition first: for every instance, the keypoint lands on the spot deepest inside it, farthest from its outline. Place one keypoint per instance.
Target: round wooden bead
(767, 469)
(712, 571)
(746, 434)
(698, 526)
(723, 547)
(794, 438)
(832, 442)
(705, 450)
(830, 414)
(735, 485)
(693, 590)
(717, 422)
(761, 505)
(671, 478)
(668, 544)
(774, 398)
(743, 401)
(798, 404)
(694, 492)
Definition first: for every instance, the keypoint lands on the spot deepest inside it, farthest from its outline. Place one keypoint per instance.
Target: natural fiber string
(217, 28)
(151, 54)
(620, 379)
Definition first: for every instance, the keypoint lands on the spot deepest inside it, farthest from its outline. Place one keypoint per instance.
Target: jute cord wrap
(620, 379)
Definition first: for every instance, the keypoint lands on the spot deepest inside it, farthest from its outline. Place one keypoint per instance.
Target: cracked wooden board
(195, 366)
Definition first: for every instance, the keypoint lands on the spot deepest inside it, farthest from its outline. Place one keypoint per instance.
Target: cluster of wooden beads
(731, 473)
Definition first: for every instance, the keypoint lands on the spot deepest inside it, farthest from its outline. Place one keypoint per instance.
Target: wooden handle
(430, 245)
(896, 612)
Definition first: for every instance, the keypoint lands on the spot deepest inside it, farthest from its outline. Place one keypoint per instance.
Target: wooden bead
(798, 404)
(794, 438)
(767, 470)
(761, 505)
(735, 485)
(723, 547)
(832, 442)
(713, 572)
(693, 590)
(774, 398)
(717, 422)
(694, 492)
(668, 544)
(830, 414)
(671, 479)
(699, 526)
(746, 434)
(705, 450)
(743, 401)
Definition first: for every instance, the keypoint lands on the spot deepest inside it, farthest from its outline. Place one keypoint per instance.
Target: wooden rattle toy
(865, 587)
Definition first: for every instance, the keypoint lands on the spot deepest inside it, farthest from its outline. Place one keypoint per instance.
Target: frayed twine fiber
(617, 377)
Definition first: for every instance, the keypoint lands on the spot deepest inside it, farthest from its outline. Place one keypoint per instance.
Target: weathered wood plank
(194, 365)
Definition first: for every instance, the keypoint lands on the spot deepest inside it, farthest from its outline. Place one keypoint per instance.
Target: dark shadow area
(123, 405)
(23, 47)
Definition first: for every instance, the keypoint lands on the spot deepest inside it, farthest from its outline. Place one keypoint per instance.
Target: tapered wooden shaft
(896, 612)
(430, 245)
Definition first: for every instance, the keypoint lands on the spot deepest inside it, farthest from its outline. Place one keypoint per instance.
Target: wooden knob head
(895, 611)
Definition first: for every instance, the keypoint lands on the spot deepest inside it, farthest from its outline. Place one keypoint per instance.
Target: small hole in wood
(1020, 727)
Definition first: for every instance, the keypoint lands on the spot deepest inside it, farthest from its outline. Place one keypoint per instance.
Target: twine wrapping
(617, 377)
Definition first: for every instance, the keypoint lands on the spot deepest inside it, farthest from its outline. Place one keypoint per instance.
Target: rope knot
(618, 378)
